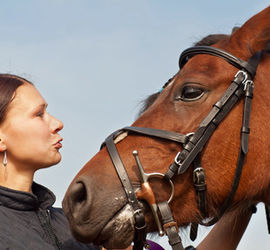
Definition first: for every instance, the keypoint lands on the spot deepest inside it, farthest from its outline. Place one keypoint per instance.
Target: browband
(236, 62)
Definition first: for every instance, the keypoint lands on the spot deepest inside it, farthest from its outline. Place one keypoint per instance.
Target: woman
(29, 141)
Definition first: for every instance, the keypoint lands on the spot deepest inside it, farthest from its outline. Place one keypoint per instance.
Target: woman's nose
(56, 125)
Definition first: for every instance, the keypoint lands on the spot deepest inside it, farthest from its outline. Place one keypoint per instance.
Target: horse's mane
(206, 41)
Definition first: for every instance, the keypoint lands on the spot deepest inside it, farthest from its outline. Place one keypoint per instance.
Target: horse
(198, 147)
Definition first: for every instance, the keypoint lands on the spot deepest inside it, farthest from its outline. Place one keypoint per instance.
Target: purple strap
(154, 246)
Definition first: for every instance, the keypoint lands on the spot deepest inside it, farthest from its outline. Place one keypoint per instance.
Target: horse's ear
(235, 29)
(254, 35)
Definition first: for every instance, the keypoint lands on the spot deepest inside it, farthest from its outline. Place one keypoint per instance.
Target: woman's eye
(190, 93)
(40, 114)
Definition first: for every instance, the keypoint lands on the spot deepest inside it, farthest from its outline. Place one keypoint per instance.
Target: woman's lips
(58, 144)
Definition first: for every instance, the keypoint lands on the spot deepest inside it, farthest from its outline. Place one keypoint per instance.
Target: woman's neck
(11, 178)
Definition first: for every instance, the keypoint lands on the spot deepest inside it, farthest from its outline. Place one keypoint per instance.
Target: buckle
(198, 176)
(178, 162)
(246, 83)
(139, 219)
(169, 225)
(138, 211)
(242, 72)
(188, 137)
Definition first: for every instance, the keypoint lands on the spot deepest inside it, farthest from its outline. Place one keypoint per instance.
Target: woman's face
(29, 132)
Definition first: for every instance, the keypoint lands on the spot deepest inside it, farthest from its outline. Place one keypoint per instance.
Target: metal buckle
(246, 83)
(196, 173)
(169, 225)
(188, 135)
(138, 211)
(244, 73)
(178, 162)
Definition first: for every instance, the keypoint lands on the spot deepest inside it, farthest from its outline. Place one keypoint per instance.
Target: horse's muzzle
(77, 206)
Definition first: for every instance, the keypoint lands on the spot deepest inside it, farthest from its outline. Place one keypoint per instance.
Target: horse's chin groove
(119, 231)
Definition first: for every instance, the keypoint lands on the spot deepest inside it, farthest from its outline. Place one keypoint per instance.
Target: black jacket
(28, 221)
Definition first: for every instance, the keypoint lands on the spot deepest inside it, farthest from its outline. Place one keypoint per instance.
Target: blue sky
(94, 61)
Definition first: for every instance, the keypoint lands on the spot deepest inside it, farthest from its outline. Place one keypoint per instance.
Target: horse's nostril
(78, 193)
(79, 199)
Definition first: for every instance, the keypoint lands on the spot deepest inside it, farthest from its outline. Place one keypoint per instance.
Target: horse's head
(96, 203)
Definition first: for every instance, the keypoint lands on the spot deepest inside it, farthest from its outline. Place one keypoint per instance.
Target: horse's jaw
(117, 232)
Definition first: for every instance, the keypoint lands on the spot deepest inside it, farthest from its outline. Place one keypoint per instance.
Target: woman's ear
(3, 145)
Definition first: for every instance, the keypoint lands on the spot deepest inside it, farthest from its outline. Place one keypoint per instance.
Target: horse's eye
(190, 93)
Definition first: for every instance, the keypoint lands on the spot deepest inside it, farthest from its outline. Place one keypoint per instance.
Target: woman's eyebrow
(41, 106)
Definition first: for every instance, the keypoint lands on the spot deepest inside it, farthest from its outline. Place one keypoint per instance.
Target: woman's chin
(55, 160)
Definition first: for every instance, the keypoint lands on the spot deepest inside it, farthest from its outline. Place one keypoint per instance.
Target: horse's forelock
(145, 104)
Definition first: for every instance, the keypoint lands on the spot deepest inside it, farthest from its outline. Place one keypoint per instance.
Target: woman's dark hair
(8, 85)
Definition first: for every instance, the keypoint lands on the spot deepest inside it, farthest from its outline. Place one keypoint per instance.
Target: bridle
(241, 86)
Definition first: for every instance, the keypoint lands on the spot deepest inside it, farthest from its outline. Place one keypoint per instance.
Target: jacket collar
(41, 197)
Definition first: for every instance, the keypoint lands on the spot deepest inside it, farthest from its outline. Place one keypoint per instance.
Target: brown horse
(96, 204)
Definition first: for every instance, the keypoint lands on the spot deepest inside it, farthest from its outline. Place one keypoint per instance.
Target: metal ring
(150, 175)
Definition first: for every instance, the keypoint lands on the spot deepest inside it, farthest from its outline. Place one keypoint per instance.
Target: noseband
(241, 86)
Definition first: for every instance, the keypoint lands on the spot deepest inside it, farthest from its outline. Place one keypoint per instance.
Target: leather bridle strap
(199, 184)
(242, 151)
(250, 67)
(158, 133)
(170, 226)
(140, 226)
(162, 134)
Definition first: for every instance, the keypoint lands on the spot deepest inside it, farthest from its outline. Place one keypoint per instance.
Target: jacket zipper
(45, 220)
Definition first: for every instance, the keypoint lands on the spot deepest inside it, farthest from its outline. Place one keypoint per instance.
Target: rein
(192, 144)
